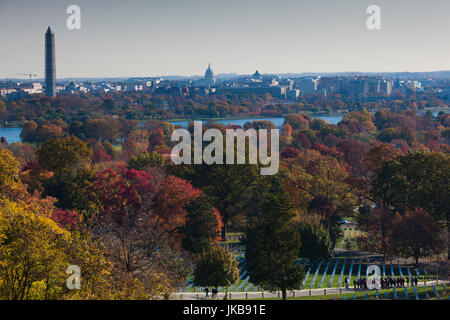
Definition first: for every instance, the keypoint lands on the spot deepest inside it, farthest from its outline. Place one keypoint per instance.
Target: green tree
(72, 188)
(272, 242)
(110, 105)
(28, 130)
(201, 227)
(69, 152)
(146, 160)
(416, 180)
(216, 267)
(316, 242)
(227, 187)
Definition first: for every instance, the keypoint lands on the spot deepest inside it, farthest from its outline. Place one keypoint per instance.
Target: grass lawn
(327, 278)
(421, 292)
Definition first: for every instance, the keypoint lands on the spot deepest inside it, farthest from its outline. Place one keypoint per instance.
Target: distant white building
(209, 78)
(32, 88)
(5, 91)
(135, 87)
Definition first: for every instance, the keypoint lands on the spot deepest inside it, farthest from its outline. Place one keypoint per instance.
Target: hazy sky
(175, 37)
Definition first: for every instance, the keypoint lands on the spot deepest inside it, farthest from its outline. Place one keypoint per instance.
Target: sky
(139, 38)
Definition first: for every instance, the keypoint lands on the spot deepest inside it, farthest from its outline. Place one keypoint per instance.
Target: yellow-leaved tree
(33, 258)
(9, 168)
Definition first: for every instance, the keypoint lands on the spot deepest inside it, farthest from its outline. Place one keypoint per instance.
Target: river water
(278, 121)
(13, 134)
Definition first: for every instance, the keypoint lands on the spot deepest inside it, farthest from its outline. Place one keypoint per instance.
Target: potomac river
(13, 134)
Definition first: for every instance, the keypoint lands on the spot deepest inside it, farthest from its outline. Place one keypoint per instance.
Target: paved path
(277, 294)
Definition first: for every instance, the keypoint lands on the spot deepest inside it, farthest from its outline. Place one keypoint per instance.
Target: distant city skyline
(148, 38)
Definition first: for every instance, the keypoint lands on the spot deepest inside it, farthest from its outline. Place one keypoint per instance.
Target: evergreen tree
(201, 226)
(216, 267)
(272, 243)
(316, 242)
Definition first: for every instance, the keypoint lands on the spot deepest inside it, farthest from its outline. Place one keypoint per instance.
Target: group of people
(385, 283)
(398, 282)
(214, 293)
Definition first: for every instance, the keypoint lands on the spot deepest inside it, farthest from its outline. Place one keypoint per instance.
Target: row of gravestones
(400, 272)
(348, 238)
(243, 281)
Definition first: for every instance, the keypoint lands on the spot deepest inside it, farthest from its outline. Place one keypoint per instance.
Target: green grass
(337, 274)
(229, 242)
(354, 274)
(117, 147)
(421, 292)
(334, 283)
(349, 238)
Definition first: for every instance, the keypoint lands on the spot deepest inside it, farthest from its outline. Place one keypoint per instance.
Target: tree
(378, 223)
(27, 131)
(416, 180)
(405, 236)
(76, 128)
(45, 130)
(272, 243)
(203, 224)
(2, 106)
(65, 219)
(353, 151)
(287, 130)
(376, 156)
(388, 134)
(141, 236)
(110, 105)
(35, 252)
(32, 256)
(9, 168)
(124, 199)
(318, 185)
(227, 187)
(216, 267)
(69, 152)
(146, 160)
(23, 152)
(289, 152)
(172, 196)
(72, 189)
(316, 242)
(137, 142)
(297, 121)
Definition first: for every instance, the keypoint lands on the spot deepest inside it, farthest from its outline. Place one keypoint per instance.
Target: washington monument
(50, 68)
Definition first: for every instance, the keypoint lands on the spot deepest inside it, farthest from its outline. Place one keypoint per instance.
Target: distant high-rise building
(50, 68)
